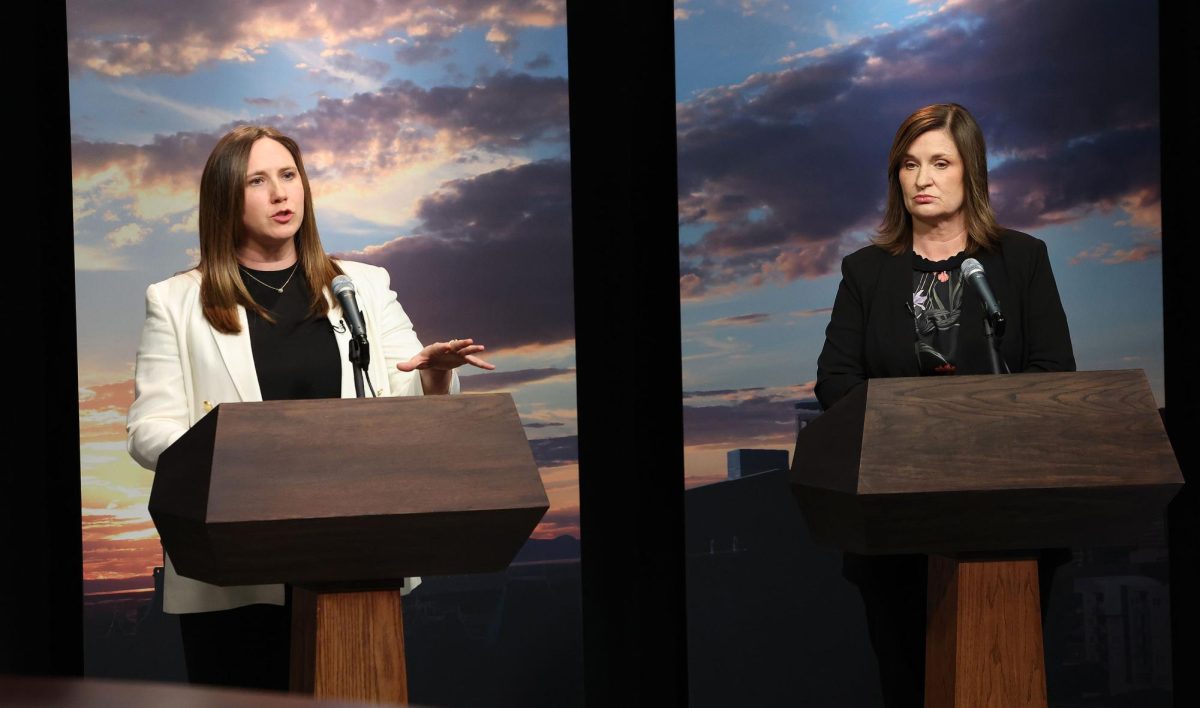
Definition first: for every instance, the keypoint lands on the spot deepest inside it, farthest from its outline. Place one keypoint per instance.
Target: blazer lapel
(239, 359)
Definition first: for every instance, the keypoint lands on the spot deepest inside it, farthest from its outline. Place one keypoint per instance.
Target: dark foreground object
(343, 499)
(977, 468)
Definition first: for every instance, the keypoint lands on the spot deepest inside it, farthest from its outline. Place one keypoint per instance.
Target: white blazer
(185, 368)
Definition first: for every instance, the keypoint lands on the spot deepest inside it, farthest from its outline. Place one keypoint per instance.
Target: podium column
(983, 640)
(348, 645)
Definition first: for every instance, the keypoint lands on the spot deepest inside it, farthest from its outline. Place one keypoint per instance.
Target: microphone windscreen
(969, 267)
(342, 283)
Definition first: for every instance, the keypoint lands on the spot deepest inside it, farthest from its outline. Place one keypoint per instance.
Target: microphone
(973, 273)
(360, 353)
(343, 290)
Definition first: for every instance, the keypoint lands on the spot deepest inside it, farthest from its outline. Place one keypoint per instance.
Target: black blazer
(871, 332)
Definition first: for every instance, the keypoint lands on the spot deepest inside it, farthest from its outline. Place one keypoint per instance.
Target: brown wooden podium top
(1018, 431)
(337, 491)
(986, 463)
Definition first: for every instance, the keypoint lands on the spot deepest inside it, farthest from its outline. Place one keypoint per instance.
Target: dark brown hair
(895, 232)
(222, 204)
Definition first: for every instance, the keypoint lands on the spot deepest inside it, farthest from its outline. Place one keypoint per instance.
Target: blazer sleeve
(159, 413)
(399, 340)
(1047, 338)
(841, 365)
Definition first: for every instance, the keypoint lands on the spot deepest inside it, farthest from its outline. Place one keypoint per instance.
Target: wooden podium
(343, 499)
(979, 472)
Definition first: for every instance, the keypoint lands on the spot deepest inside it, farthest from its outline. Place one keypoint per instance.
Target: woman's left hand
(445, 356)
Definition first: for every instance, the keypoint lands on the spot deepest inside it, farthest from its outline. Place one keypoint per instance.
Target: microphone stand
(360, 359)
(993, 335)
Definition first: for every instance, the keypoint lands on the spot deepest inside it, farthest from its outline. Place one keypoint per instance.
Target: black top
(937, 290)
(870, 333)
(297, 356)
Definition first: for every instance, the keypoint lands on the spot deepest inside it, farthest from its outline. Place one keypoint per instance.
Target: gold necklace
(268, 285)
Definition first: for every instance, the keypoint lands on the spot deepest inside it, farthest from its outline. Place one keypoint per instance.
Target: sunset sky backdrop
(435, 136)
(786, 112)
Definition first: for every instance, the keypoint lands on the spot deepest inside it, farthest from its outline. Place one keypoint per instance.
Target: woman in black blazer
(903, 308)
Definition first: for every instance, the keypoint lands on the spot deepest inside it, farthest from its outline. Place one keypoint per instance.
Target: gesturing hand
(444, 356)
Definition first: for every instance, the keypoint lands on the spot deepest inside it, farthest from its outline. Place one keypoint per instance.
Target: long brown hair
(222, 204)
(895, 232)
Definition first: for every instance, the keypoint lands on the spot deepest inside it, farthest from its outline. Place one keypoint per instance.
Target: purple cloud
(739, 424)
(541, 61)
(348, 61)
(502, 111)
(782, 169)
(120, 38)
(1107, 254)
(491, 259)
(739, 320)
(503, 380)
(555, 452)
(419, 51)
(720, 392)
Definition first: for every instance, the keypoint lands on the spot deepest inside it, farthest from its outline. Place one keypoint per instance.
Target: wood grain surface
(1077, 429)
(349, 645)
(983, 463)
(983, 645)
(345, 490)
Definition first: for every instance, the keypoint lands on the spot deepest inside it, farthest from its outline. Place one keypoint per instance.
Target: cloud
(171, 161)
(356, 136)
(1076, 179)
(139, 37)
(555, 452)
(419, 51)
(508, 380)
(491, 259)
(537, 415)
(541, 61)
(373, 155)
(751, 7)
(93, 258)
(739, 320)
(747, 423)
(558, 522)
(503, 39)
(349, 62)
(127, 235)
(118, 395)
(102, 412)
(783, 171)
(777, 394)
(719, 392)
(1108, 254)
(748, 417)
(811, 312)
(682, 12)
(270, 103)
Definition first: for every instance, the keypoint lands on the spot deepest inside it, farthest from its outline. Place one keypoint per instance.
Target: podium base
(983, 640)
(348, 645)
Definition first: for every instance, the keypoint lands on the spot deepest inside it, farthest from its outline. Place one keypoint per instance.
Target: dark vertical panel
(624, 207)
(41, 629)
(1179, 58)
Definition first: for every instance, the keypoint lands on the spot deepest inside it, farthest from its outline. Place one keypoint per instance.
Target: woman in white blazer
(254, 321)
